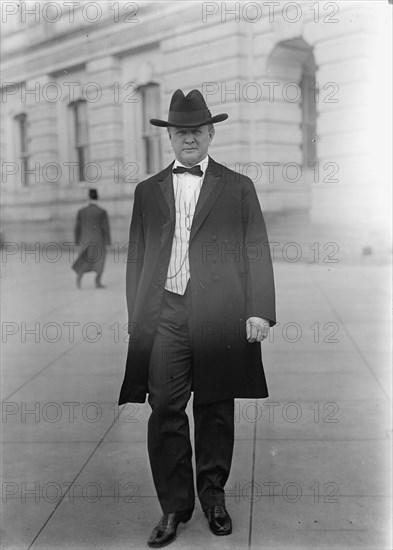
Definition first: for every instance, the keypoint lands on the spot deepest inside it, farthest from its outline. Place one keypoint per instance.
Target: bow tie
(195, 170)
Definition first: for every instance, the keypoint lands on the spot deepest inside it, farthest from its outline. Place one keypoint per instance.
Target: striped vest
(186, 191)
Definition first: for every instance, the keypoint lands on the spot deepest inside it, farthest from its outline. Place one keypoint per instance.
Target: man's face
(190, 145)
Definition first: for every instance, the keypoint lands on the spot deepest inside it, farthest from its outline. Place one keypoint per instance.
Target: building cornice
(76, 49)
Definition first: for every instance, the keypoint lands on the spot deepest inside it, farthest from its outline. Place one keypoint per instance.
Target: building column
(352, 187)
(40, 107)
(105, 125)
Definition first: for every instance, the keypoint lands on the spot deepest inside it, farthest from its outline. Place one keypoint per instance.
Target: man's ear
(169, 132)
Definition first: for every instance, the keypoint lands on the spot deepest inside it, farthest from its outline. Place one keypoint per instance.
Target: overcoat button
(214, 238)
(215, 278)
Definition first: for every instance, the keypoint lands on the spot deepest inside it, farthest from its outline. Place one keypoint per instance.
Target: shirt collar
(203, 164)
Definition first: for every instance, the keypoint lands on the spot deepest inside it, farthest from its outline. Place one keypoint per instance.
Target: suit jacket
(231, 279)
(92, 234)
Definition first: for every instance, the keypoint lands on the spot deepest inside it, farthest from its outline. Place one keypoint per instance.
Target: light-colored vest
(186, 191)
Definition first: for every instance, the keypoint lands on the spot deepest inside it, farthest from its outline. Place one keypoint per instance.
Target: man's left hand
(257, 329)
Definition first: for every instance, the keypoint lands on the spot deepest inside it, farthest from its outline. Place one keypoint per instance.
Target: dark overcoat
(92, 234)
(231, 279)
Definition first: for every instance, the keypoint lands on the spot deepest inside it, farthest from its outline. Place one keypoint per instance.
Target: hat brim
(166, 124)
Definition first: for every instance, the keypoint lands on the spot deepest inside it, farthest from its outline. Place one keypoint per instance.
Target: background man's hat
(93, 195)
(188, 111)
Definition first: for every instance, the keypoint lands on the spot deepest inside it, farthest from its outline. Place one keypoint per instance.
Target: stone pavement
(311, 466)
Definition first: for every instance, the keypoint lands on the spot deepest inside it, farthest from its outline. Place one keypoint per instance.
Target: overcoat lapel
(210, 190)
(165, 194)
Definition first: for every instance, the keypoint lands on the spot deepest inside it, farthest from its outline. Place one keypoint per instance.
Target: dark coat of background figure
(92, 235)
(231, 280)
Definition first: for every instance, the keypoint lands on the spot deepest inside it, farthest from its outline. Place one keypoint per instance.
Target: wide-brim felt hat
(188, 111)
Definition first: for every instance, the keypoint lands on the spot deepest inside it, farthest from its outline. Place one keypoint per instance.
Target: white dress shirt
(186, 188)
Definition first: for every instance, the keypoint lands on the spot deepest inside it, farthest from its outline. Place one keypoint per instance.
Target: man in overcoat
(92, 235)
(200, 296)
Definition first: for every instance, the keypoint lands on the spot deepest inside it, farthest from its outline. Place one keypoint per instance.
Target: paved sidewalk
(311, 467)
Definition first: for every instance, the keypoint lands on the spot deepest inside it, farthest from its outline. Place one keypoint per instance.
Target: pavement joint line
(39, 372)
(238, 440)
(252, 482)
(72, 483)
(339, 530)
(75, 345)
(228, 498)
(354, 343)
(383, 289)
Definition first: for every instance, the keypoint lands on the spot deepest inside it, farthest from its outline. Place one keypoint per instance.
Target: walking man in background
(92, 234)
(200, 296)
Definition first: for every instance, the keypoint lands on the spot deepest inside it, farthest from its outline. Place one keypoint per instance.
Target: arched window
(309, 116)
(292, 61)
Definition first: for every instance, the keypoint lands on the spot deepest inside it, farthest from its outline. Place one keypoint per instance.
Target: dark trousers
(169, 446)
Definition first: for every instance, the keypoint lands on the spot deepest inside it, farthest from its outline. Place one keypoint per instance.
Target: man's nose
(189, 138)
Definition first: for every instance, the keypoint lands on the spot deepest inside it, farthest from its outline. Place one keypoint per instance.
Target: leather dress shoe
(98, 282)
(220, 522)
(165, 531)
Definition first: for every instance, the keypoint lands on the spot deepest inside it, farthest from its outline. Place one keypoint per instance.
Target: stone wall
(232, 59)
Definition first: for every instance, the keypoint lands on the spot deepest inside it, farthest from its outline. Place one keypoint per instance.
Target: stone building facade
(81, 79)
